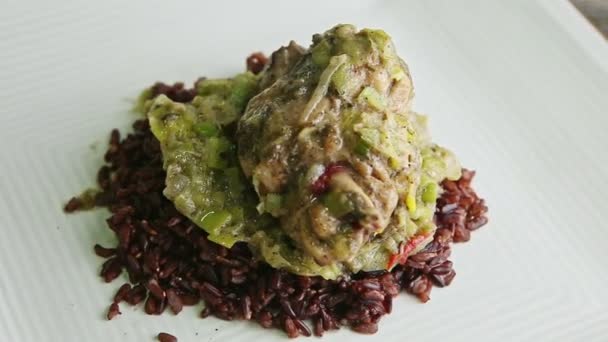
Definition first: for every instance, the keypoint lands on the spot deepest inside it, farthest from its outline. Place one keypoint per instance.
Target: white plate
(517, 88)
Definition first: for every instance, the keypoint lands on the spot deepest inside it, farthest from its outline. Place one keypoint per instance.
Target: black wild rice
(165, 337)
(256, 62)
(113, 311)
(176, 92)
(170, 262)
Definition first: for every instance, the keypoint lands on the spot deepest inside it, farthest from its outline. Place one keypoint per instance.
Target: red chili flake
(405, 248)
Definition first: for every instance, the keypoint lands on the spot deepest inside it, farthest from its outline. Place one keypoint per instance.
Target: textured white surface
(517, 89)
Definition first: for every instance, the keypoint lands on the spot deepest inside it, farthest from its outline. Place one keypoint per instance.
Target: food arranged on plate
(304, 193)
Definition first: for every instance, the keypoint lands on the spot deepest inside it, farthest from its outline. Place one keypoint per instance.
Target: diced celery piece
(379, 37)
(243, 88)
(216, 146)
(340, 79)
(273, 203)
(213, 86)
(215, 220)
(238, 214)
(397, 73)
(218, 198)
(357, 48)
(225, 240)
(342, 246)
(338, 204)
(429, 194)
(373, 98)
(321, 53)
(423, 214)
(206, 129)
(371, 136)
(433, 163)
(234, 181)
(362, 147)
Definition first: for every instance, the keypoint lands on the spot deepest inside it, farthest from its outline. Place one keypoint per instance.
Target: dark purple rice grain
(122, 292)
(287, 309)
(146, 226)
(174, 301)
(136, 295)
(256, 62)
(302, 327)
(318, 327)
(246, 307)
(290, 328)
(372, 295)
(73, 205)
(171, 262)
(175, 92)
(210, 289)
(336, 299)
(174, 221)
(154, 305)
(388, 304)
(132, 265)
(461, 234)
(265, 319)
(476, 223)
(165, 337)
(155, 289)
(111, 269)
(327, 320)
(443, 279)
(421, 287)
(205, 312)
(104, 252)
(423, 256)
(366, 328)
(113, 311)
(238, 276)
(151, 264)
(189, 299)
(124, 236)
